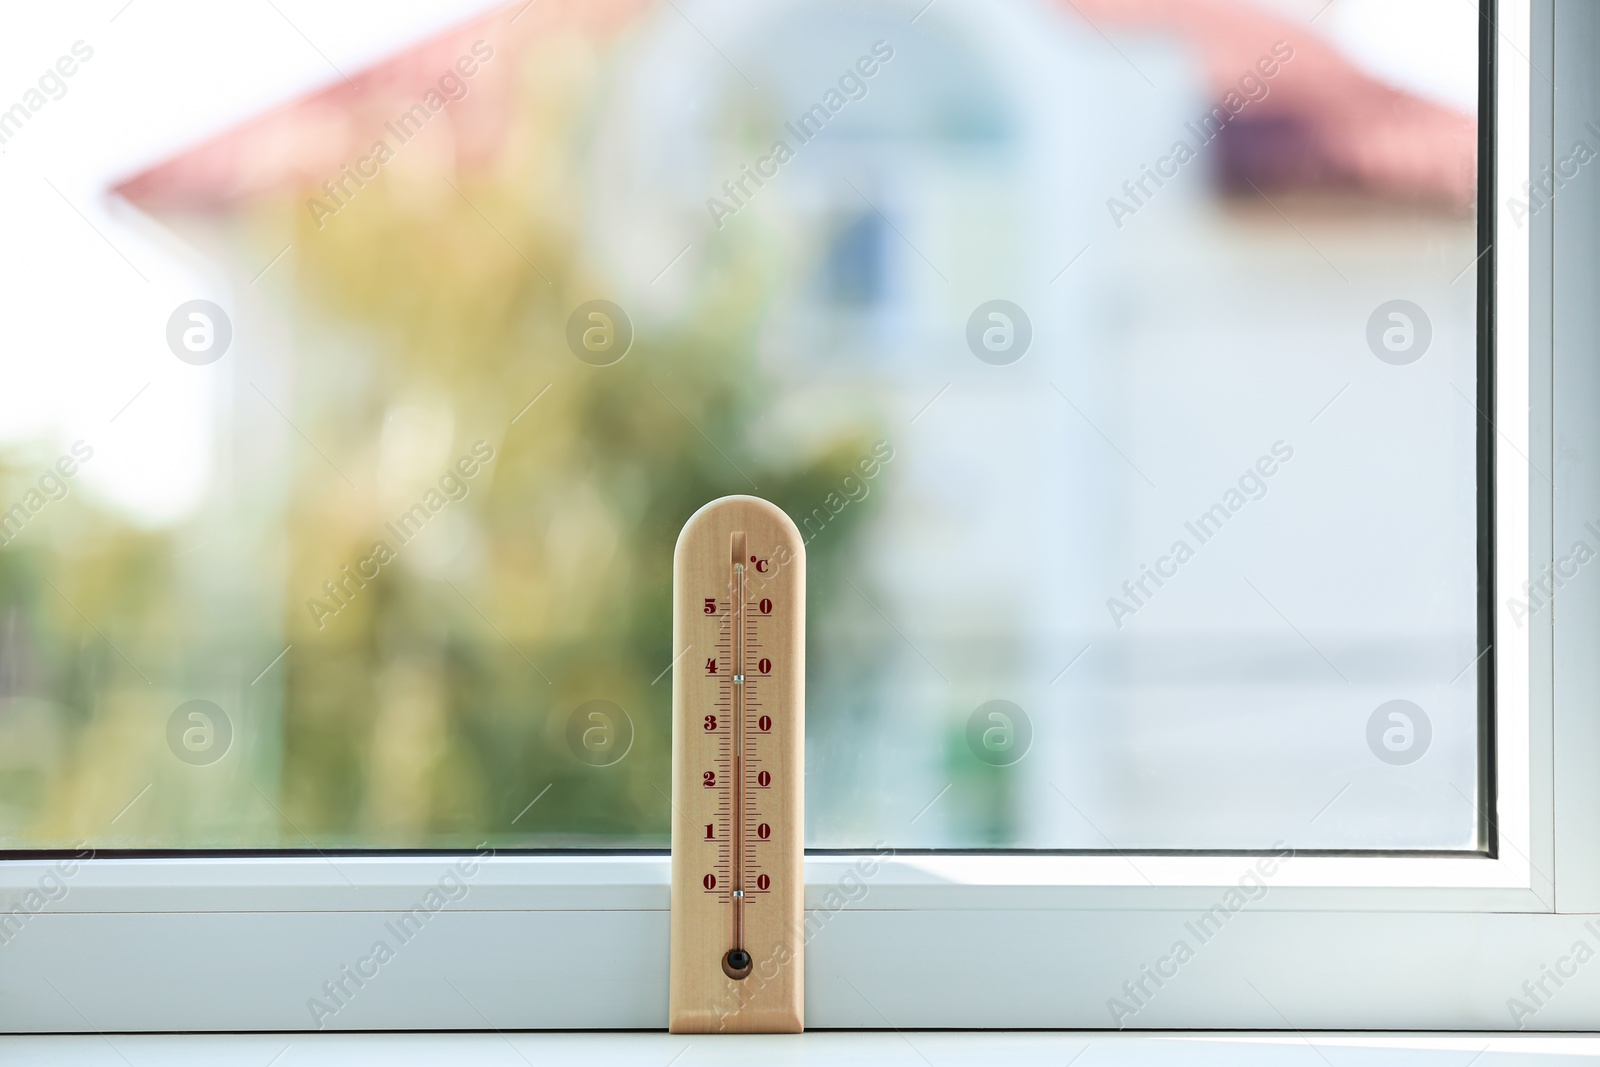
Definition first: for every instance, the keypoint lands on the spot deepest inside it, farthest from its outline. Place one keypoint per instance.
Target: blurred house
(1181, 323)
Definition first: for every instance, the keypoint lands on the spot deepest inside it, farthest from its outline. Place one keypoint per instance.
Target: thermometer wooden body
(738, 771)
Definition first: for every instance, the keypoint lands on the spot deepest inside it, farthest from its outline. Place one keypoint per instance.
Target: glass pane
(1117, 359)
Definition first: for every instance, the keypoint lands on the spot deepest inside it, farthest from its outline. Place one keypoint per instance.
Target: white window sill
(880, 1049)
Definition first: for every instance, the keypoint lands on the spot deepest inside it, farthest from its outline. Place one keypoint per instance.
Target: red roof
(1323, 125)
(306, 142)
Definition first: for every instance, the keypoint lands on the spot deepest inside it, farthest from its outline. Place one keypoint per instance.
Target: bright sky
(1414, 44)
(85, 311)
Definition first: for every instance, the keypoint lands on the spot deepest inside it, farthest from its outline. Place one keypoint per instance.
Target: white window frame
(961, 940)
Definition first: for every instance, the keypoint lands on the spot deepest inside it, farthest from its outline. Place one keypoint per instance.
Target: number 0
(709, 881)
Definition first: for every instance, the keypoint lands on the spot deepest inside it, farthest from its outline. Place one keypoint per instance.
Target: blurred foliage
(431, 709)
(435, 709)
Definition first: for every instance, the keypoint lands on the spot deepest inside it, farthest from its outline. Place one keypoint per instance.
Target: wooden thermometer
(738, 771)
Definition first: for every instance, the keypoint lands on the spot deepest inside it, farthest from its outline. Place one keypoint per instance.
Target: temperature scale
(738, 771)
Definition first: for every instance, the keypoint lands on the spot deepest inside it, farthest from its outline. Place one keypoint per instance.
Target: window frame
(246, 942)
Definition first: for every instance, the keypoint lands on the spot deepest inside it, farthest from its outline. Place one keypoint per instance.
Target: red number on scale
(763, 831)
(711, 606)
(766, 607)
(764, 666)
(711, 722)
(763, 779)
(709, 881)
(711, 666)
(710, 778)
(764, 723)
(709, 835)
(763, 882)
